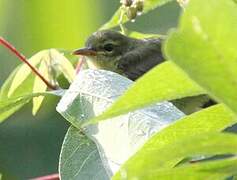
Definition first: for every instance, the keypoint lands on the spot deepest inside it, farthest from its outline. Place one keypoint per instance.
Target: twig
(6, 44)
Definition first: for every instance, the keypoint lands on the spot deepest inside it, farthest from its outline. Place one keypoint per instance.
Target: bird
(113, 51)
(131, 57)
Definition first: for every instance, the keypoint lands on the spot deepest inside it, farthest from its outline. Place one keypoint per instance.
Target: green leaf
(148, 6)
(204, 47)
(189, 105)
(219, 169)
(164, 82)
(11, 105)
(152, 4)
(40, 86)
(6, 85)
(23, 89)
(212, 119)
(79, 158)
(24, 72)
(203, 144)
(62, 64)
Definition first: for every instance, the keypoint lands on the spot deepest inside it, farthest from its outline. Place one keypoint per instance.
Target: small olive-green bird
(113, 51)
(110, 50)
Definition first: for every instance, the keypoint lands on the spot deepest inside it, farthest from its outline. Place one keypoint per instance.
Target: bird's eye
(109, 47)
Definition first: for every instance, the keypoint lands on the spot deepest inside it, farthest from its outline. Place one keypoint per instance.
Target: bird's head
(104, 48)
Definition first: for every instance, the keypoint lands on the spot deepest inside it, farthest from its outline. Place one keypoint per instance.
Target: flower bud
(139, 5)
(126, 3)
(131, 13)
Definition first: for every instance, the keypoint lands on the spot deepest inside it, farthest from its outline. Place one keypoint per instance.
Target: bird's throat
(109, 65)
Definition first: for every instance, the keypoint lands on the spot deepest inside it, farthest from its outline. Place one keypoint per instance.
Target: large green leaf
(212, 119)
(205, 47)
(79, 158)
(148, 6)
(220, 169)
(203, 144)
(164, 82)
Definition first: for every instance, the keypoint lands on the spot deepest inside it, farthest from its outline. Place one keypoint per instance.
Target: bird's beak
(85, 52)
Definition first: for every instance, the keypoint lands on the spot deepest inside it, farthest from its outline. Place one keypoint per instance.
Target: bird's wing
(140, 60)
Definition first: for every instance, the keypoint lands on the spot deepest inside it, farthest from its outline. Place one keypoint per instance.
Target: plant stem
(6, 44)
(79, 64)
(48, 177)
(121, 22)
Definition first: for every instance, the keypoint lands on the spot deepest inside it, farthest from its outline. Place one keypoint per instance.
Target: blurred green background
(30, 146)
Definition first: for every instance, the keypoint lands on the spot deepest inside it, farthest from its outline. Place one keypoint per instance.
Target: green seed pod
(131, 13)
(126, 3)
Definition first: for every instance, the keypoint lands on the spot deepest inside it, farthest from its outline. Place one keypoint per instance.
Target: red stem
(48, 177)
(6, 44)
(79, 64)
